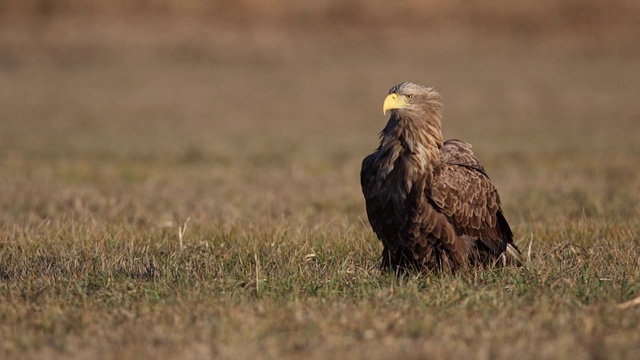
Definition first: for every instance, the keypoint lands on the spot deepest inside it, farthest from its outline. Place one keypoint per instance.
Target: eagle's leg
(386, 264)
(392, 261)
(398, 261)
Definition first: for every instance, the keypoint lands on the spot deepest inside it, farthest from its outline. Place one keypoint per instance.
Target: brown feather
(430, 202)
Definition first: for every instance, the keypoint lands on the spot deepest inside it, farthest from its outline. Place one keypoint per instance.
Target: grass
(154, 204)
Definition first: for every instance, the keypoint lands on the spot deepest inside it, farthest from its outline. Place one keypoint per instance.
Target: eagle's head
(407, 97)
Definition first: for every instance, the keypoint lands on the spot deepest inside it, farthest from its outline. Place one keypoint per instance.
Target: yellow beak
(393, 101)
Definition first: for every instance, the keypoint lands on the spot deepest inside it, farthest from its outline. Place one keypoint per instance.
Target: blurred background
(124, 121)
(231, 110)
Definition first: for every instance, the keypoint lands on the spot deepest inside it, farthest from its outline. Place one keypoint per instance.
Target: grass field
(188, 195)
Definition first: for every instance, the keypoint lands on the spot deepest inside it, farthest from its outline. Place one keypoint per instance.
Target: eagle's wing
(377, 204)
(462, 190)
(367, 177)
(458, 152)
(371, 191)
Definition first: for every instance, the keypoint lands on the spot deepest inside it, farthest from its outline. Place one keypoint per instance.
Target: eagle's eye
(409, 96)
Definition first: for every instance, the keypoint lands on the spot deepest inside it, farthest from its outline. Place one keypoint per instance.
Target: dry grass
(187, 198)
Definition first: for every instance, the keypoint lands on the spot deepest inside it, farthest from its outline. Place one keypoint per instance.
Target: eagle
(430, 201)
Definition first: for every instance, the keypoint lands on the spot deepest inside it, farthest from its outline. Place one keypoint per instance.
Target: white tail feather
(515, 254)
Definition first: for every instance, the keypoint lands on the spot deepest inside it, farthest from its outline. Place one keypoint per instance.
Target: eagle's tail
(512, 255)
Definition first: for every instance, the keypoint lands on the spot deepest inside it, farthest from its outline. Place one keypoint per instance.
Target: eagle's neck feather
(407, 137)
(409, 151)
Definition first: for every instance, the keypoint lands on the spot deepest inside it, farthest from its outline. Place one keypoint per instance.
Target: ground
(193, 192)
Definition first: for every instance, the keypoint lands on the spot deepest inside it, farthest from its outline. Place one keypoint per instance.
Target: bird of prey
(430, 201)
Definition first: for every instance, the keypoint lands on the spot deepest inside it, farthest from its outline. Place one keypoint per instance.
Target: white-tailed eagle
(430, 201)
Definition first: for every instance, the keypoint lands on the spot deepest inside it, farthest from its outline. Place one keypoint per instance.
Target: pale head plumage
(416, 99)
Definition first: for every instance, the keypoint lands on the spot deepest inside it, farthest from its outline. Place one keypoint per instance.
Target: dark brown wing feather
(458, 152)
(462, 190)
(413, 232)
